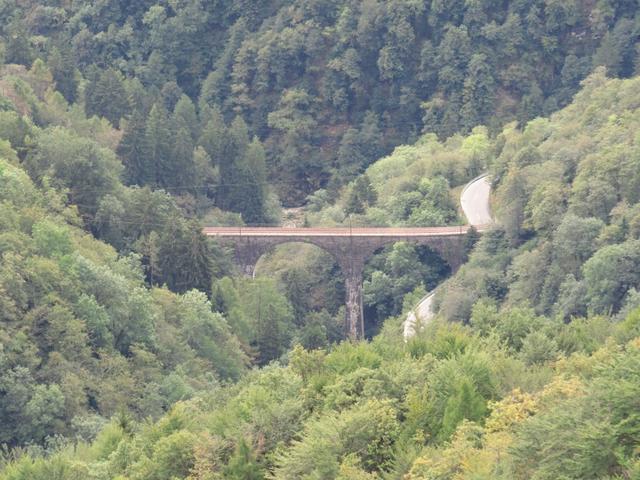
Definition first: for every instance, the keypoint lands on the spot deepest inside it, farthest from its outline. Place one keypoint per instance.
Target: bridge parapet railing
(339, 231)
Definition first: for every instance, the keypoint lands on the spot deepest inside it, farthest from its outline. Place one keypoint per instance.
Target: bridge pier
(354, 313)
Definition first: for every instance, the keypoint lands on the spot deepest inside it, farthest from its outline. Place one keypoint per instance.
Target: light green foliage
(565, 193)
(337, 415)
(396, 272)
(410, 187)
(242, 465)
(13, 128)
(515, 324)
(366, 430)
(537, 348)
(51, 240)
(88, 170)
(81, 333)
(464, 404)
(259, 314)
(457, 388)
(603, 425)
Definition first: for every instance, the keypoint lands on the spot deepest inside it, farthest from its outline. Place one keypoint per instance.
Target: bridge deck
(337, 231)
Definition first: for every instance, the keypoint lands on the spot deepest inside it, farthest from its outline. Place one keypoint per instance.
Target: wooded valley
(131, 345)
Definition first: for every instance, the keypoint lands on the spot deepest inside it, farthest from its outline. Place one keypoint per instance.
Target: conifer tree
(467, 403)
(106, 97)
(478, 92)
(213, 135)
(362, 195)
(63, 68)
(185, 110)
(182, 168)
(134, 152)
(249, 192)
(234, 149)
(185, 259)
(18, 49)
(159, 145)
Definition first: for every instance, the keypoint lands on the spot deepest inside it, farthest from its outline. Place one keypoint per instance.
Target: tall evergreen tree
(478, 92)
(63, 68)
(213, 135)
(181, 171)
(351, 158)
(134, 152)
(234, 149)
(185, 259)
(186, 111)
(159, 144)
(249, 193)
(106, 97)
(18, 49)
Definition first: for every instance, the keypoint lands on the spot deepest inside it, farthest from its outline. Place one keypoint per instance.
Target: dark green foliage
(63, 70)
(307, 95)
(478, 93)
(159, 145)
(307, 77)
(18, 46)
(133, 151)
(182, 172)
(105, 96)
(184, 257)
(362, 195)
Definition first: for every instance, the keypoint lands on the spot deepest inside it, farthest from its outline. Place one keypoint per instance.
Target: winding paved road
(474, 201)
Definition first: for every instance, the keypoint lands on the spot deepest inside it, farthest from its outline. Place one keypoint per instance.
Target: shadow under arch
(311, 277)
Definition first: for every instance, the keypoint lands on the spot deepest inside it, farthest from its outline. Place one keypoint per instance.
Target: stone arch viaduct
(351, 248)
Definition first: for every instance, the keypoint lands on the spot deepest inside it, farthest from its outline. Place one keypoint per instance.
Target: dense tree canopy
(306, 76)
(131, 347)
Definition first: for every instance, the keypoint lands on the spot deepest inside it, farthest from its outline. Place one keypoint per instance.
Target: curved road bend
(474, 201)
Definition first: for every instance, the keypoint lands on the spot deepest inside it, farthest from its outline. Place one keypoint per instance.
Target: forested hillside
(568, 197)
(326, 85)
(132, 348)
(538, 378)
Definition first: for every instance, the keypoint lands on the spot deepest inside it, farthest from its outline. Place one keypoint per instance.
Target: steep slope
(567, 191)
(328, 86)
